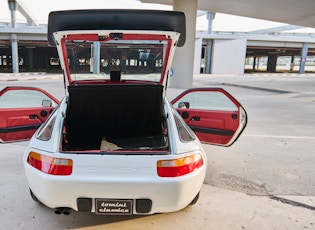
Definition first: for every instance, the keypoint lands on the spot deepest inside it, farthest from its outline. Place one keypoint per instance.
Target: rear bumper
(166, 194)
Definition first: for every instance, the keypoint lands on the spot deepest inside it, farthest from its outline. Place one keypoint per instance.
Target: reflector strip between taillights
(179, 167)
(50, 165)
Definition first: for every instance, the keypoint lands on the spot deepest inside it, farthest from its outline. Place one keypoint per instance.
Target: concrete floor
(242, 190)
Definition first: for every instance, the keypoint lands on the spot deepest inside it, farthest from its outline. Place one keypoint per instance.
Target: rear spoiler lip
(117, 19)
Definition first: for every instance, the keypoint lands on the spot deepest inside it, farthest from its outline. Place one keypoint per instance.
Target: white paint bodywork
(115, 176)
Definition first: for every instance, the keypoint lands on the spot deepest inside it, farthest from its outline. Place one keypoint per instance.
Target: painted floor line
(279, 136)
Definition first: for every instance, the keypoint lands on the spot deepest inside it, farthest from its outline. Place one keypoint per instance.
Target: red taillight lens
(50, 165)
(179, 167)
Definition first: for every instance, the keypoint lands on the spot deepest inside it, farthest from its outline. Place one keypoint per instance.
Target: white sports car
(114, 145)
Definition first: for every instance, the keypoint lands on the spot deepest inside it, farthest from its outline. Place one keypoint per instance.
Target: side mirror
(183, 105)
(46, 103)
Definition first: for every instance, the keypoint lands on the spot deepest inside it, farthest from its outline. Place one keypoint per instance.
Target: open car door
(22, 111)
(213, 114)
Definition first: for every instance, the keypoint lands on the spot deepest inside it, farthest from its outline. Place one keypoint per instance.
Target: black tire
(194, 201)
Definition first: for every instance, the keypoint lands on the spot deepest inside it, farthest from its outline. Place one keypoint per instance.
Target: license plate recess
(113, 206)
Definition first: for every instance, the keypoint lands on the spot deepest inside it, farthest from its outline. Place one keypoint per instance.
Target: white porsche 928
(115, 145)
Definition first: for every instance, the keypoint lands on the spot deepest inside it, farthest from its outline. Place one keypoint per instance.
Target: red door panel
(215, 127)
(213, 114)
(22, 111)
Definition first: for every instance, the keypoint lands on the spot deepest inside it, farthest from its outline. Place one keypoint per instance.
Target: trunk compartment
(115, 117)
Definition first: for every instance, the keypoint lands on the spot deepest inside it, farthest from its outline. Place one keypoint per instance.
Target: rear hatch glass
(116, 60)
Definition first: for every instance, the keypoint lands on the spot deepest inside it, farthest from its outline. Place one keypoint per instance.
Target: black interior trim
(116, 111)
(19, 128)
(221, 132)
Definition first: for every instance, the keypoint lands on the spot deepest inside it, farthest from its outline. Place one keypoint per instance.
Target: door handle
(33, 116)
(195, 118)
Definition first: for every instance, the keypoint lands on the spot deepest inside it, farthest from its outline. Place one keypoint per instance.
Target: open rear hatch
(134, 45)
(116, 64)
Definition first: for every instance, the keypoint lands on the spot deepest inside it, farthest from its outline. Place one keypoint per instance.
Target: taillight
(50, 165)
(179, 167)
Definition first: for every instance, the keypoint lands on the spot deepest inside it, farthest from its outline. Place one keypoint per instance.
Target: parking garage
(24, 48)
(254, 54)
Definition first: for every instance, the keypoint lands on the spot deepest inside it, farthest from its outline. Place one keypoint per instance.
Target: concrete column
(303, 58)
(254, 62)
(208, 57)
(210, 17)
(292, 63)
(15, 55)
(184, 56)
(14, 45)
(272, 63)
(30, 59)
(96, 57)
(13, 7)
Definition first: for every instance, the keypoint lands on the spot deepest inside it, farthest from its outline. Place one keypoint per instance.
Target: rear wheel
(194, 201)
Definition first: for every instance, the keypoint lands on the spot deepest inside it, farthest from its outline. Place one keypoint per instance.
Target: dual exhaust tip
(63, 210)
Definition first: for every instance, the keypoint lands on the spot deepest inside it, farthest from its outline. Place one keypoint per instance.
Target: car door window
(206, 100)
(25, 99)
